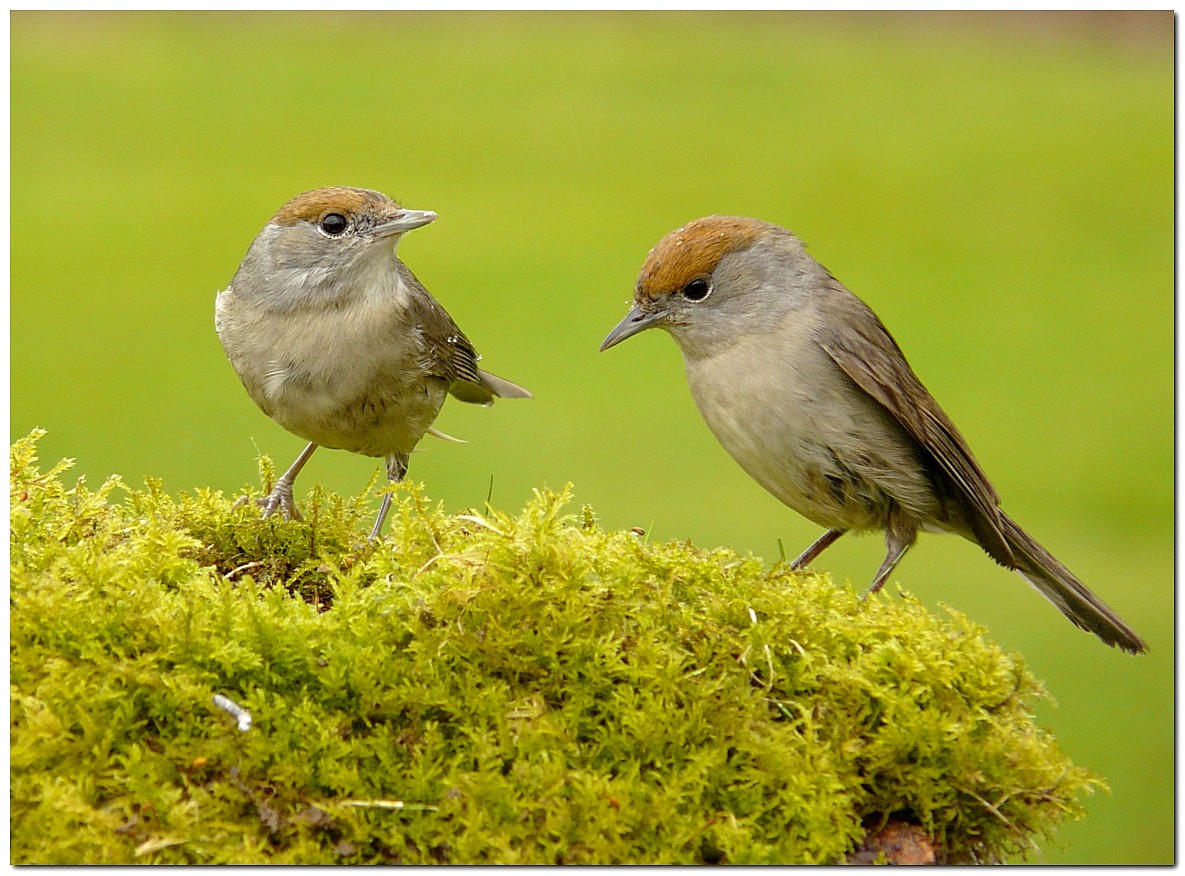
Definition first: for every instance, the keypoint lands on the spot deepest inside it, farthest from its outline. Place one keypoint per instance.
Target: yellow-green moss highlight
(483, 688)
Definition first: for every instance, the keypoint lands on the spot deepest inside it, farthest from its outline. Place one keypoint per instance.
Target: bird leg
(280, 498)
(396, 469)
(897, 550)
(826, 540)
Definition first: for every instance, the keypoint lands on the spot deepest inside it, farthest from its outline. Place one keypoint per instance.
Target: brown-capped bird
(807, 390)
(338, 342)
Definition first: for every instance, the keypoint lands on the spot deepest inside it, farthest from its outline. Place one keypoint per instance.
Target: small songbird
(338, 342)
(807, 390)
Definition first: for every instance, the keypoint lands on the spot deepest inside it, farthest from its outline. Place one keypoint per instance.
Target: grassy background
(998, 188)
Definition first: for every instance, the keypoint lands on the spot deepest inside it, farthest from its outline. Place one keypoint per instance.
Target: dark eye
(696, 290)
(333, 223)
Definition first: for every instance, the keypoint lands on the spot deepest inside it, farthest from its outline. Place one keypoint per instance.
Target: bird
(805, 388)
(335, 339)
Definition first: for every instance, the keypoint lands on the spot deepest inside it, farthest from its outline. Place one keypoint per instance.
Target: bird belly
(823, 448)
(380, 418)
(334, 376)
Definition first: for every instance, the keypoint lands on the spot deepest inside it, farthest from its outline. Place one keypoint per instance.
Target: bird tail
(502, 388)
(1057, 584)
(488, 388)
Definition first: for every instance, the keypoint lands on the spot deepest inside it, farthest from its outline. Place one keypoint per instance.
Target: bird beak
(637, 320)
(404, 220)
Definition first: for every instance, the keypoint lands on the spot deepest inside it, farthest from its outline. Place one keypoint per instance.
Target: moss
(483, 688)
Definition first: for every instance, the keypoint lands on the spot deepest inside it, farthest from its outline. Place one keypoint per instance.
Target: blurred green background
(999, 187)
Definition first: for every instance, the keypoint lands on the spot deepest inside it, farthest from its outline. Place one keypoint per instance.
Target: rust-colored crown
(694, 251)
(311, 206)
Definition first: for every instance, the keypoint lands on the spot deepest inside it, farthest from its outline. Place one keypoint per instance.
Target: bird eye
(333, 224)
(696, 290)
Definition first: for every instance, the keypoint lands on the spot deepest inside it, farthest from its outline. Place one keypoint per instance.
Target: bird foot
(279, 499)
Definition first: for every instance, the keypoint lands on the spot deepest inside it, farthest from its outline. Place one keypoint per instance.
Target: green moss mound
(483, 688)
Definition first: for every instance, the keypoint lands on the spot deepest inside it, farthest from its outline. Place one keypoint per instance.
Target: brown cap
(694, 251)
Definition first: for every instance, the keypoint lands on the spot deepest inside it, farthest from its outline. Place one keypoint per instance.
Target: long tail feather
(501, 387)
(1058, 584)
(490, 387)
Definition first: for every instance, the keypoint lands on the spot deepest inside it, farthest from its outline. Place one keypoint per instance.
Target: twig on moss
(237, 711)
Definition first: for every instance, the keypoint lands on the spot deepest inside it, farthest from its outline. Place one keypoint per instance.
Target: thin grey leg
(826, 540)
(896, 552)
(396, 469)
(280, 498)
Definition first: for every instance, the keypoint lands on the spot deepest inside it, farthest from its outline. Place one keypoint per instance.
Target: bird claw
(279, 499)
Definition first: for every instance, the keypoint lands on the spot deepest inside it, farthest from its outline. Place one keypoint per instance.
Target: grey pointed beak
(637, 320)
(404, 220)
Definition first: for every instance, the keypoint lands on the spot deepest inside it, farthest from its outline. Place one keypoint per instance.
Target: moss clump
(482, 688)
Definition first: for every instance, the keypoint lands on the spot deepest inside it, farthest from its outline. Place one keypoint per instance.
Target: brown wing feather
(445, 351)
(868, 354)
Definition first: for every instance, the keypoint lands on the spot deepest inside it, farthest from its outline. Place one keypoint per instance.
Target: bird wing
(445, 352)
(868, 354)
